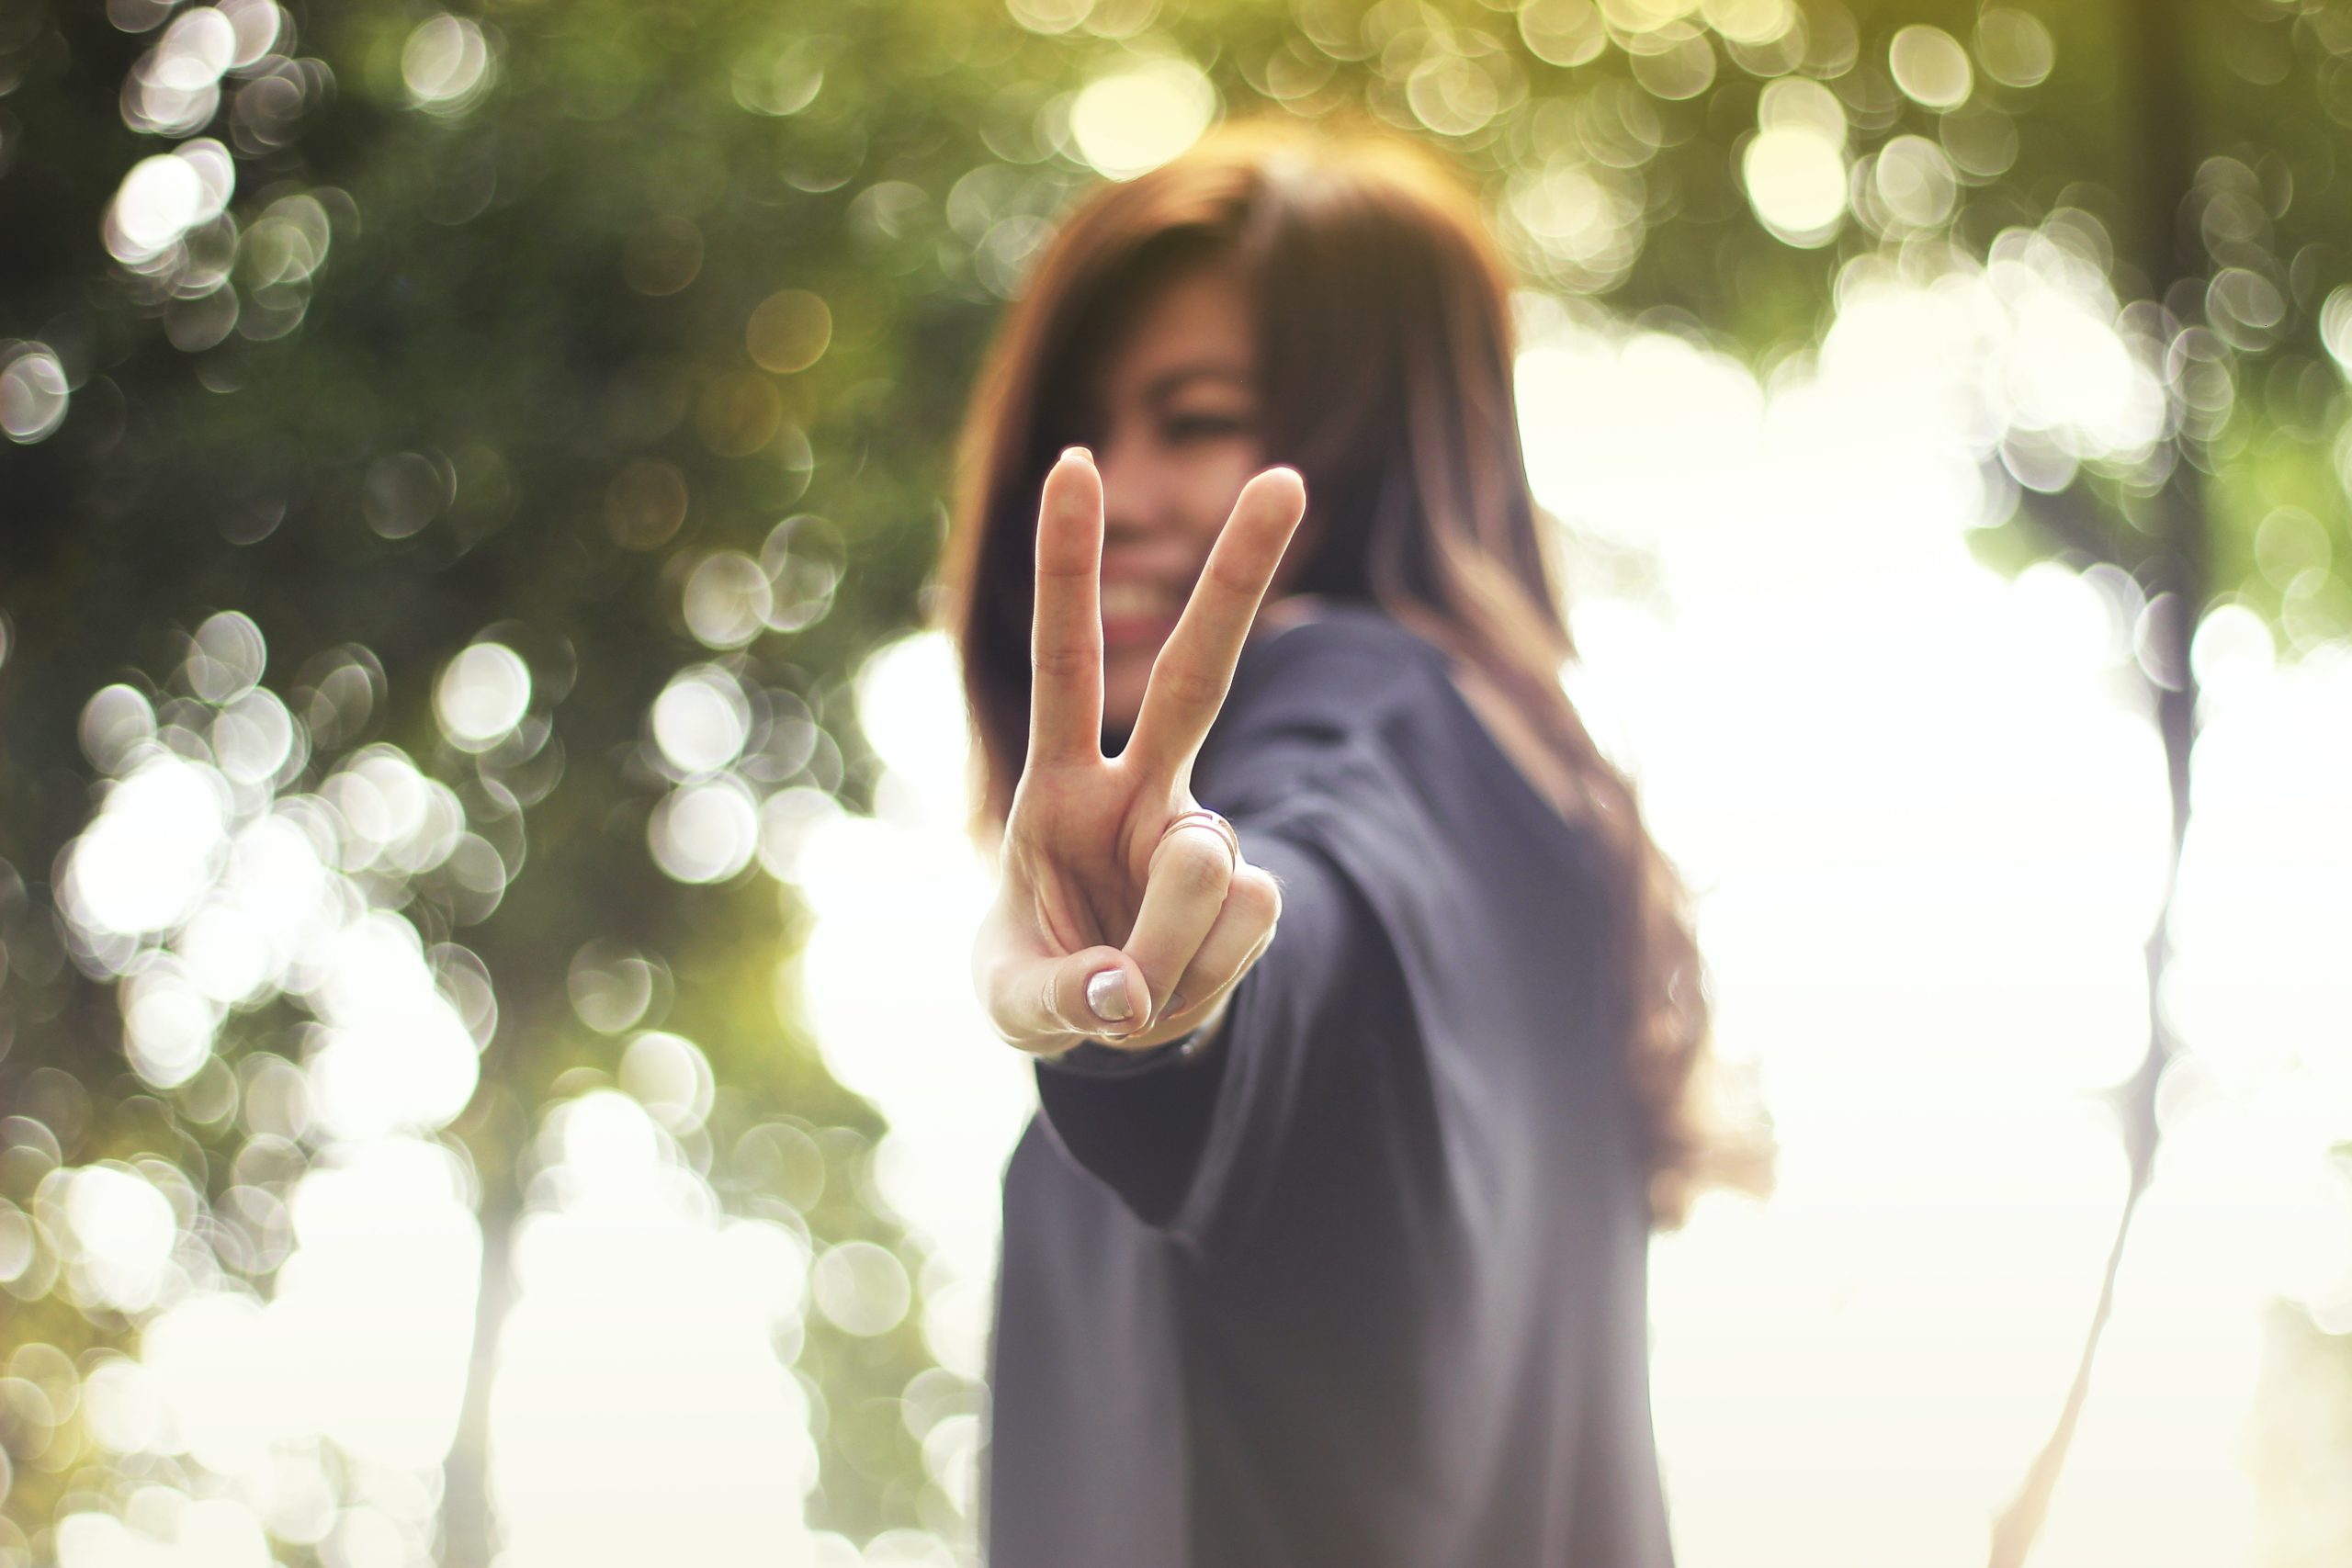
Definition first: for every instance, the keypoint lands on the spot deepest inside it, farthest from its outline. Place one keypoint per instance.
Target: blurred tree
(623, 336)
(629, 338)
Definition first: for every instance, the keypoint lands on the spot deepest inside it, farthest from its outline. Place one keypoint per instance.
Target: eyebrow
(1165, 384)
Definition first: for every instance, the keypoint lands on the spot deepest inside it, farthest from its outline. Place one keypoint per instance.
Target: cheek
(1210, 484)
(1209, 495)
(1221, 482)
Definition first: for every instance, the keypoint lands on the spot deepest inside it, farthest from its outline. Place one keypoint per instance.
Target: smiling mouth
(1139, 611)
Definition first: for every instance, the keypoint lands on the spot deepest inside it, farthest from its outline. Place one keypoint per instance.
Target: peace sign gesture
(1127, 913)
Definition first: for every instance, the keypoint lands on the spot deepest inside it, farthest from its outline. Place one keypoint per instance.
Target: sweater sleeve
(1192, 1145)
(1182, 1141)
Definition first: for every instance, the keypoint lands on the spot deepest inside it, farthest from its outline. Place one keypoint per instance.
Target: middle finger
(1253, 906)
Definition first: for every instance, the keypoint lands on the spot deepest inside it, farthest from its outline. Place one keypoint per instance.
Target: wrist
(1100, 1059)
(1117, 1058)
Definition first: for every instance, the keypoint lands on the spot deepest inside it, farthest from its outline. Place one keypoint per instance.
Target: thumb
(1097, 991)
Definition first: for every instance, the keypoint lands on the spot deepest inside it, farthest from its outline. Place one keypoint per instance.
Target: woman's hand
(1126, 913)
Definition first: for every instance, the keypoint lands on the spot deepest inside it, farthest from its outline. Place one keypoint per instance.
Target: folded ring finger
(1183, 897)
(1202, 817)
(1252, 905)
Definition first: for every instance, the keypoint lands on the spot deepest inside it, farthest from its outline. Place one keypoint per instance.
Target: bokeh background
(486, 1069)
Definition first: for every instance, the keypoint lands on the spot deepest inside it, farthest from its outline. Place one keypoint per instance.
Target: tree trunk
(469, 1530)
(2177, 577)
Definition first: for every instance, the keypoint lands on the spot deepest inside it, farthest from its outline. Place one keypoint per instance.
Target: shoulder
(1346, 659)
(1319, 703)
(1347, 698)
(1310, 621)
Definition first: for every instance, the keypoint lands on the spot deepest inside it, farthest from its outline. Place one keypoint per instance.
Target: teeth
(1138, 600)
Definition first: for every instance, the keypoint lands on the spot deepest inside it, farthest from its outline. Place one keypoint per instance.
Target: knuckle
(1255, 900)
(1054, 659)
(1190, 686)
(1049, 997)
(1194, 861)
(1238, 575)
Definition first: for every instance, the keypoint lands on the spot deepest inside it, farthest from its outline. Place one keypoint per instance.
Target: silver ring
(1202, 817)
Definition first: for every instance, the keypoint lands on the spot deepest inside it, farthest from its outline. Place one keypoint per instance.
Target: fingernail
(1175, 1001)
(1107, 994)
(1069, 452)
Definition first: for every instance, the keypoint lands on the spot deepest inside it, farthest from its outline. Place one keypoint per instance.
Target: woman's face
(1177, 434)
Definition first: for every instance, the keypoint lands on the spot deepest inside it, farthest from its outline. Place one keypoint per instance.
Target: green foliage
(512, 358)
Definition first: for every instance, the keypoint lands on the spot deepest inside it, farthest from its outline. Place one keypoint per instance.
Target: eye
(1202, 427)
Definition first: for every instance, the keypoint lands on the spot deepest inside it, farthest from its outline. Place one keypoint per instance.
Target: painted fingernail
(1107, 994)
(1069, 452)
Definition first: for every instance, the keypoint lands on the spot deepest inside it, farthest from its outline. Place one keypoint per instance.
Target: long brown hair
(1384, 351)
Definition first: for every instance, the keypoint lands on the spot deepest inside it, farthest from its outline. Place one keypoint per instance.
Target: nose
(1129, 495)
(1135, 478)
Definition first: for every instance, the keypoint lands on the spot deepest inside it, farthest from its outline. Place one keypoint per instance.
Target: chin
(1118, 719)
(1123, 697)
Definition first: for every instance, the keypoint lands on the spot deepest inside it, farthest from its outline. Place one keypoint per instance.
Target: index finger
(1194, 670)
(1065, 635)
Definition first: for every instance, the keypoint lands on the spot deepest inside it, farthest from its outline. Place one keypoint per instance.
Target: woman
(1368, 1029)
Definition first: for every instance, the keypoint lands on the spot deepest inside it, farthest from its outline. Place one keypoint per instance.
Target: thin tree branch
(2019, 1524)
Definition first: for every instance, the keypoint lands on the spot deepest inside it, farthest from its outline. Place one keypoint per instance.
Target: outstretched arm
(1127, 913)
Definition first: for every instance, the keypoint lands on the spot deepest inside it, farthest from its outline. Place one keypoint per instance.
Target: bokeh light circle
(1796, 181)
(705, 832)
(482, 696)
(446, 63)
(727, 599)
(1140, 116)
(1929, 66)
(702, 719)
(862, 1288)
(33, 395)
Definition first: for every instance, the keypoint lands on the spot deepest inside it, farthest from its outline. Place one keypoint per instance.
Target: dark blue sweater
(1364, 1284)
